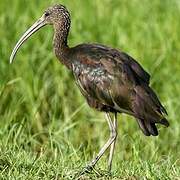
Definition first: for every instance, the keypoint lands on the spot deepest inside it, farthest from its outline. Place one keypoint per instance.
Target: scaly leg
(113, 135)
(113, 144)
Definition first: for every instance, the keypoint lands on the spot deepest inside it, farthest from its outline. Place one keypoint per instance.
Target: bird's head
(57, 15)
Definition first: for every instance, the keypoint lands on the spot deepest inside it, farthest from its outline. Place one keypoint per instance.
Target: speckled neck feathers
(60, 44)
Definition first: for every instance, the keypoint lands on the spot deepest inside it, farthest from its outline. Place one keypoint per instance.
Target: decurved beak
(35, 27)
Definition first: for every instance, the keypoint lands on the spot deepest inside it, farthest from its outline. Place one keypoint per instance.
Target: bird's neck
(61, 47)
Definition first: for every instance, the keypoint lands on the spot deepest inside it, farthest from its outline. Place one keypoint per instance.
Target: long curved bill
(35, 27)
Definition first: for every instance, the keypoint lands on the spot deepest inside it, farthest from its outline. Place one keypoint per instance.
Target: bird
(110, 80)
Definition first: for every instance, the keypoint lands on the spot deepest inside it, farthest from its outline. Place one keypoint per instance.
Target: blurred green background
(47, 130)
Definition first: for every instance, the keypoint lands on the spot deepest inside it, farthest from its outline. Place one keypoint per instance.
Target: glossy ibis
(110, 80)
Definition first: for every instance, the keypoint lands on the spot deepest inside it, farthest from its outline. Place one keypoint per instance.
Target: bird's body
(109, 79)
(112, 81)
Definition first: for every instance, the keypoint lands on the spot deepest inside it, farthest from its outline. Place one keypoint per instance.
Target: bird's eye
(47, 14)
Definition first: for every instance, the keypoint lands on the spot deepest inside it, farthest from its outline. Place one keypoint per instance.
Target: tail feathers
(163, 110)
(147, 127)
(143, 127)
(165, 122)
(148, 110)
(152, 129)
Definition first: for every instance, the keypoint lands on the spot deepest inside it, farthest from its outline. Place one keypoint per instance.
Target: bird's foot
(87, 169)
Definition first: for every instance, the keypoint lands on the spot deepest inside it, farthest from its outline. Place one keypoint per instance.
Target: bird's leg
(113, 144)
(112, 138)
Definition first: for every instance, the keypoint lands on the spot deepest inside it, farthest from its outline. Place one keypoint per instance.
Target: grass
(47, 131)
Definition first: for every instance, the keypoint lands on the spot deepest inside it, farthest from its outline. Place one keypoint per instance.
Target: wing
(104, 76)
(97, 52)
(135, 66)
(93, 81)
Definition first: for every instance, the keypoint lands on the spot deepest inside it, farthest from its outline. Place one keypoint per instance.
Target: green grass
(47, 131)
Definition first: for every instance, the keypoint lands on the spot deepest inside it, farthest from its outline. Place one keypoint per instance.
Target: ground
(47, 131)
